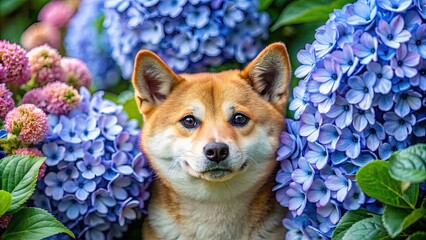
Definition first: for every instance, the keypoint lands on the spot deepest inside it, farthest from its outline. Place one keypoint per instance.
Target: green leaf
(264, 4)
(417, 236)
(370, 228)
(5, 201)
(348, 220)
(409, 165)
(8, 6)
(412, 193)
(397, 220)
(19, 176)
(34, 223)
(303, 11)
(375, 181)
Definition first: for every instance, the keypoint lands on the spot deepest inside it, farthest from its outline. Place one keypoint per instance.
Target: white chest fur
(203, 220)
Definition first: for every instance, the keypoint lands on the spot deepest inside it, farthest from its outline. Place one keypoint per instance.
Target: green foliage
(264, 4)
(19, 177)
(303, 11)
(417, 236)
(409, 165)
(132, 110)
(16, 16)
(396, 220)
(374, 180)
(404, 215)
(8, 6)
(5, 201)
(34, 223)
(349, 219)
(369, 228)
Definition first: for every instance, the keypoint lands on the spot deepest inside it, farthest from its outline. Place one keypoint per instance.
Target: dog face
(213, 135)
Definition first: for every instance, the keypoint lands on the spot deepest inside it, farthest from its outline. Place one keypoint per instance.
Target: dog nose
(216, 151)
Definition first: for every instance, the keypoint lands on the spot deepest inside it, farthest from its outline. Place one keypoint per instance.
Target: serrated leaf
(34, 223)
(5, 201)
(304, 11)
(348, 220)
(409, 165)
(366, 229)
(397, 220)
(412, 193)
(19, 176)
(375, 181)
(417, 236)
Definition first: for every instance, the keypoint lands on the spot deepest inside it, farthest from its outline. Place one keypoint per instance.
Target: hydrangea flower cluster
(6, 101)
(87, 40)
(45, 64)
(14, 67)
(187, 34)
(362, 97)
(41, 33)
(56, 13)
(96, 180)
(76, 72)
(28, 123)
(54, 98)
(53, 17)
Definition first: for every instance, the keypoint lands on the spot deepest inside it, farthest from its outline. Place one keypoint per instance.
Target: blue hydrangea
(189, 35)
(3, 134)
(362, 97)
(87, 40)
(97, 179)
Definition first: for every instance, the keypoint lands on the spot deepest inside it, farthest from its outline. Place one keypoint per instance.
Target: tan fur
(188, 201)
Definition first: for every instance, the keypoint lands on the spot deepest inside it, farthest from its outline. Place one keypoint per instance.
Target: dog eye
(239, 120)
(189, 122)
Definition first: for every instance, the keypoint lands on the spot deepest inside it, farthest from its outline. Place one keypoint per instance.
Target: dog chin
(213, 175)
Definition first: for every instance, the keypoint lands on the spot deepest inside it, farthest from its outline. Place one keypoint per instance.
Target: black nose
(216, 151)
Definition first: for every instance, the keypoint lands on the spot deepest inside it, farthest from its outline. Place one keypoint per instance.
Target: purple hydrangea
(96, 177)
(362, 97)
(187, 35)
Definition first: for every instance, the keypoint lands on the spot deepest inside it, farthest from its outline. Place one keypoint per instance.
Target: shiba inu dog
(211, 139)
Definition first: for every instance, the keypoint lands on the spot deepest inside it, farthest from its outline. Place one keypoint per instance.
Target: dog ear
(152, 80)
(269, 74)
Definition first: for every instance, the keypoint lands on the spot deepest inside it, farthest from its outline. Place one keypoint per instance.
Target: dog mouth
(213, 174)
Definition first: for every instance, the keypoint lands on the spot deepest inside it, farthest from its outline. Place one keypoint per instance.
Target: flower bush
(96, 180)
(362, 98)
(14, 67)
(87, 40)
(188, 35)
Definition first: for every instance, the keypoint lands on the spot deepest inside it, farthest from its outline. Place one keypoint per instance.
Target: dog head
(213, 136)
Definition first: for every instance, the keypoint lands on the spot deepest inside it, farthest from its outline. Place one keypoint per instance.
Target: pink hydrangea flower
(14, 68)
(29, 152)
(37, 97)
(76, 72)
(56, 13)
(61, 98)
(28, 123)
(35, 153)
(39, 34)
(6, 101)
(45, 64)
